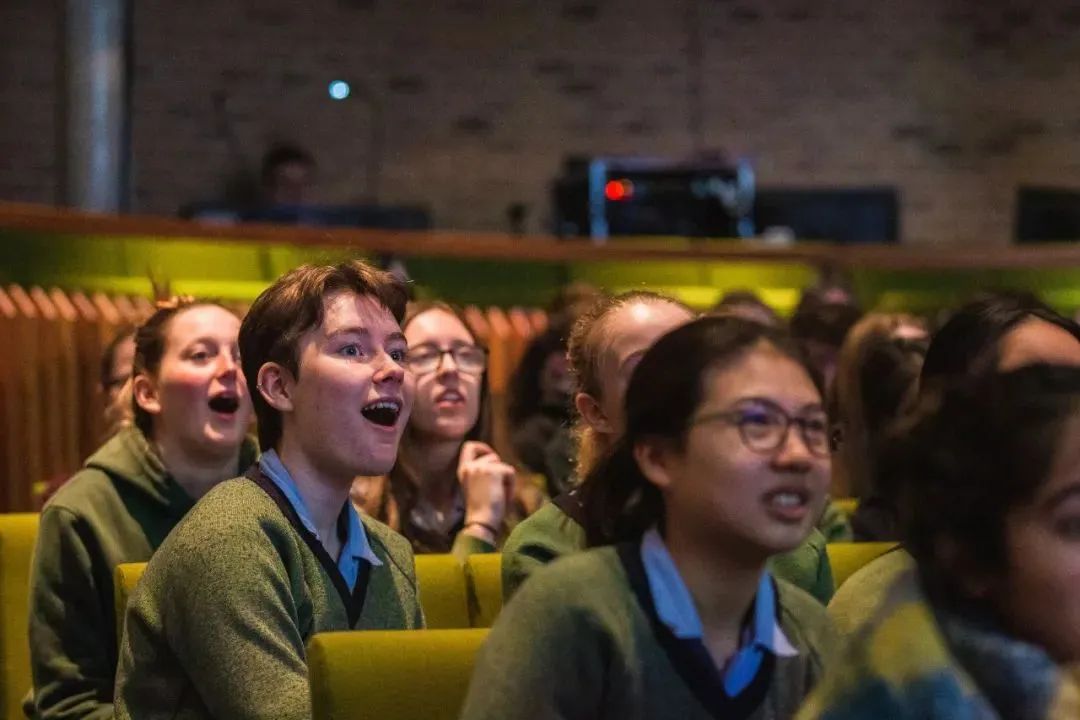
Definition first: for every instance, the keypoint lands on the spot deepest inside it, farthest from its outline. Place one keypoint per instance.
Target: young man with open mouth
(218, 624)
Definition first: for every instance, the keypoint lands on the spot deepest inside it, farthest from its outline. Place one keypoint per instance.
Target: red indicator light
(616, 190)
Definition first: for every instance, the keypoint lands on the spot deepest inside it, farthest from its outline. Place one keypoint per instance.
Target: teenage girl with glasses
(450, 491)
(724, 462)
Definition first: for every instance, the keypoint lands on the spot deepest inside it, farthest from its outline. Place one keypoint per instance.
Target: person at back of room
(218, 624)
(541, 396)
(116, 366)
(723, 463)
(986, 623)
(820, 323)
(990, 334)
(877, 371)
(746, 304)
(449, 490)
(605, 346)
(191, 412)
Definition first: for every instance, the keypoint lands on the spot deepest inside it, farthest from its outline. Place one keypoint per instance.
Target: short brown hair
(290, 307)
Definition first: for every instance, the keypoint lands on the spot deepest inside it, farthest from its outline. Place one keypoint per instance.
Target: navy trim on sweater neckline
(690, 657)
(570, 504)
(353, 601)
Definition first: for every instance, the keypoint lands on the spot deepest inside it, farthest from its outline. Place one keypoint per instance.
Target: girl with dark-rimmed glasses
(723, 463)
(450, 491)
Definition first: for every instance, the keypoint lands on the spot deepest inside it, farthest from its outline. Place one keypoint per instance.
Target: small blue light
(339, 89)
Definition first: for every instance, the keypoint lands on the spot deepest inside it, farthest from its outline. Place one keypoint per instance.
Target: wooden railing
(498, 246)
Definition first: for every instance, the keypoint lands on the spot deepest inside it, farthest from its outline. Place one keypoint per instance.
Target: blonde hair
(584, 352)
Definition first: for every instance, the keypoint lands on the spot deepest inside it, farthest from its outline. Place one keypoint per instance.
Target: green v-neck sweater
(580, 641)
(218, 626)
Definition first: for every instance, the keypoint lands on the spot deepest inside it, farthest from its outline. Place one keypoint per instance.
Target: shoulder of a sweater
(802, 613)
(237, 508)
(85, 491)
(579, 579)
(550, 527)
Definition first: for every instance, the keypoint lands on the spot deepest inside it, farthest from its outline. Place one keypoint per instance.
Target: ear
(145, 392)
(655, 459)
(592, 414)
(276, 385)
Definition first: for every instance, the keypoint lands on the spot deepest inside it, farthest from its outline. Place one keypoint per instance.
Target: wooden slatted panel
(539, 320)
(60, 374)
(92, 334)
(11, 427)
(478, 323)
(29, 392)
(522, 333)
(129, 312)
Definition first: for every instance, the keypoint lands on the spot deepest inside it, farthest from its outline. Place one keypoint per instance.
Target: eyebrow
(1061, 496)
(365, 333)
(816, 406)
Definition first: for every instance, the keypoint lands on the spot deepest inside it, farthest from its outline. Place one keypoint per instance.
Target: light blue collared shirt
(675, 608)
(356, 546)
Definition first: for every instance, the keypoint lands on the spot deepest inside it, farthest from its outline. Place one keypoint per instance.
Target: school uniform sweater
(552, 531)
(582, 640)
(218, 625)
(858, 599)
(117, 509)
(915, 659)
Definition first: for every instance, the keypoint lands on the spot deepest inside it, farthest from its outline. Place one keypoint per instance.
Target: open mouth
(450, 396)
(791, 503)
(382, 412)
(225, 403)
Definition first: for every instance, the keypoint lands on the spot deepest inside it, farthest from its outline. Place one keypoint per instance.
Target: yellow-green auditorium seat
(391, 674)
(18, 533)
(125, 578)
(441, 582)
(483, 572)
(846, 558)
(846, 505)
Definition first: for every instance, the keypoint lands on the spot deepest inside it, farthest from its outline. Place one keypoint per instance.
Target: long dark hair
(970, 340)
(405, 480)
(973, 452)
(664, 393)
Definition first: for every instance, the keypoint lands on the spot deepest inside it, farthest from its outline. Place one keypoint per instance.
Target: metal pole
(95, 108)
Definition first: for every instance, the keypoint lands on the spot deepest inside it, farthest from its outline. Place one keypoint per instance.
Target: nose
(447, 364)
(793, 454)
(389, 370)
(228, 365)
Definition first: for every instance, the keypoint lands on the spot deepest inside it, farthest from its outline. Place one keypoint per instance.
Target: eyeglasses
(764, 426)
(424, 359)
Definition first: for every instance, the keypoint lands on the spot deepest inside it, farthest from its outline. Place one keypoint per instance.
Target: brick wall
(954, 101)
(29, 166)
